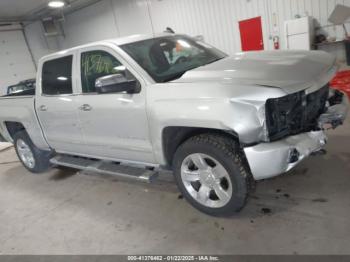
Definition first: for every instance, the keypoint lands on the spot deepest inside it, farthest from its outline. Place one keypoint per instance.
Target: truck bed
(21, 109)
(30, 92)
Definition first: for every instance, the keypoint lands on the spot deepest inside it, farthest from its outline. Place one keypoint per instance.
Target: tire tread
(42, 158)
(232, 151)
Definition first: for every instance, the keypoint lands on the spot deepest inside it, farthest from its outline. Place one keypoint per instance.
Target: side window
(57, 76)
(96, 64)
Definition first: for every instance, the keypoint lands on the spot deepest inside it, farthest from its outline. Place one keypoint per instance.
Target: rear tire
(212, 175)
(32, 158)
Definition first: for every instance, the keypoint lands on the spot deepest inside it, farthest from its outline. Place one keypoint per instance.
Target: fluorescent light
(56, 4)
(62, 78)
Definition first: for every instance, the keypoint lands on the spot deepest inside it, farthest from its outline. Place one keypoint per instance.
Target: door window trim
(74, 80)
(113, 53)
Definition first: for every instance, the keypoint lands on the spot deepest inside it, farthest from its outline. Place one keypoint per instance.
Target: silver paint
(25, 154)
(195, 170)
(226, 95)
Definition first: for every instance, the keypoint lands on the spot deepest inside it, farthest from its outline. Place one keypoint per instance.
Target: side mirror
(116, 83)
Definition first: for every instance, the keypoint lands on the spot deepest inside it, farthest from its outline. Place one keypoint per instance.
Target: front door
(251, 34)
(57, 105)
(114, 125)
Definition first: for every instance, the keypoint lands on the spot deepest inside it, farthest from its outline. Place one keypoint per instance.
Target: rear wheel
(33, 159)
(211, 175)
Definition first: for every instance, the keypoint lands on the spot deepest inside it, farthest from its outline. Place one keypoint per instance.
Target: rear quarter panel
(21, 110)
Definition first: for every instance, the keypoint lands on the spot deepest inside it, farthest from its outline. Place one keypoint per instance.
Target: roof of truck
(117, 41)
(135, 38)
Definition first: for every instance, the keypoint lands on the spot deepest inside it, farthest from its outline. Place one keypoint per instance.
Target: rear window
(57, 76)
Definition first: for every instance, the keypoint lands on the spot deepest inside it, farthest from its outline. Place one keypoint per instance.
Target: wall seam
(29, 48)
(115, 17)
(150, 15)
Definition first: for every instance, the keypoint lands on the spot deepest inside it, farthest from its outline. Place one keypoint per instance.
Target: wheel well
(174, 136)
(13, 128)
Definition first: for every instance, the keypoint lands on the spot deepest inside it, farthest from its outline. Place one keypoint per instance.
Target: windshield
(168, 58)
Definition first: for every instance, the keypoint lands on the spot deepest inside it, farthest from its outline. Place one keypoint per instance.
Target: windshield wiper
(179, 75)
(214, 60)
(174, 77)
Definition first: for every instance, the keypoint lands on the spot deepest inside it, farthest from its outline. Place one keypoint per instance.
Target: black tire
(42, 158)
(227, 152)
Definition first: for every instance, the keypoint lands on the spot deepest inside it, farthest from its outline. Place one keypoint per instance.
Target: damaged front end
(336, 112)
(295, 126)
(296, 113)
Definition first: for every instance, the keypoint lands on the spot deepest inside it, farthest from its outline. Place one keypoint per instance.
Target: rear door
(57, 105)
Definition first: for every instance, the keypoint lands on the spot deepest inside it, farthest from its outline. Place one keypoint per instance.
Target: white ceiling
(21, 10)
(10, 9)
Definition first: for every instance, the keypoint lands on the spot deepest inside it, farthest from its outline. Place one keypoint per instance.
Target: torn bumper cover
(267, 160)
(335, 115)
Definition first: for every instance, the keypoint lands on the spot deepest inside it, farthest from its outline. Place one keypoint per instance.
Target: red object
(251, 34)
(276, 43)
(341, 82)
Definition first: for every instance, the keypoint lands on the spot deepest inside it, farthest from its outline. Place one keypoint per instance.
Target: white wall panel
(39, 44)
(16, 63)
(92, 23)
(216, 20)
(132, 17)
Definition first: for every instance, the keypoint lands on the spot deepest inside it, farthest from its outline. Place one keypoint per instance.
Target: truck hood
(289, 70)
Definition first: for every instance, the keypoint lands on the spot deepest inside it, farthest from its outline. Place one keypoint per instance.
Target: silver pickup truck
(133, 106)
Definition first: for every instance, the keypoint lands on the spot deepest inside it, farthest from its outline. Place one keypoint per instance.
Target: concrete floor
(64, 212)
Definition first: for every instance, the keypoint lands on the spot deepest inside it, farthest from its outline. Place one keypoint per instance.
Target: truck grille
(294, 114)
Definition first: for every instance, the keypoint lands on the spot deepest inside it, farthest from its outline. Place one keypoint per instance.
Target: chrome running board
(105, 167)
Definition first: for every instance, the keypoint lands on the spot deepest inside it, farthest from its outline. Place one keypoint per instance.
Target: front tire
(211, 174)
(32, 158)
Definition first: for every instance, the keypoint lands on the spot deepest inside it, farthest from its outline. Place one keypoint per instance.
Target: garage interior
(65, 211)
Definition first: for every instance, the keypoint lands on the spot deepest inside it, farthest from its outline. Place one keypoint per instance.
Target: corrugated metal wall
(216, 20)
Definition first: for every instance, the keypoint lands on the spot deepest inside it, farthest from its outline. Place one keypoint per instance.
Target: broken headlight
(294, 113)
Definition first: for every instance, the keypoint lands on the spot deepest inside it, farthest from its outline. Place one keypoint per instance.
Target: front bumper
(268, 160)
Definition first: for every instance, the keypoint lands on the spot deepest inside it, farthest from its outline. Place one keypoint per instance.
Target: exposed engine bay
(300, 112)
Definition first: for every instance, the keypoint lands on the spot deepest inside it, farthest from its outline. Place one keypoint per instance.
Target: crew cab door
(114, 125)
(56, 103)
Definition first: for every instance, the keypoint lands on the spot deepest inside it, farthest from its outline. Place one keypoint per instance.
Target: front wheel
(211, 175)
(33, 159)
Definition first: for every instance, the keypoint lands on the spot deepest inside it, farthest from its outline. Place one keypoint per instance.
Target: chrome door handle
(43, 108)
(85, 107)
